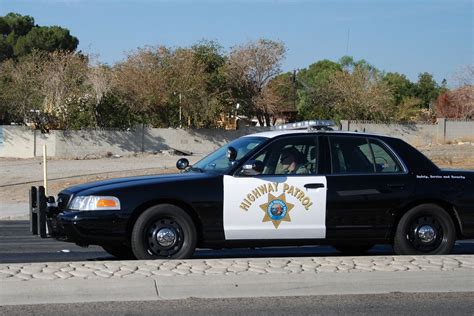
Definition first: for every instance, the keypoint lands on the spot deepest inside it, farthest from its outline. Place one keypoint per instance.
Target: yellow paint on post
(45, 169)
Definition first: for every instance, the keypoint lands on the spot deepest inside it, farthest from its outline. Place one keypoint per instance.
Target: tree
(359, 95)
(47, 39)
(21, 94)
(401, 87)
(186, 75)
(250, 68)
(217, 99)
(99, 81)
(140, 84)
(20, 36)
(426, 89)
(457, 104)
(312, 85)
(464, 76)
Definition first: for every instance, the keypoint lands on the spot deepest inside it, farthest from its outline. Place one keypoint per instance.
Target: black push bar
(38, 207)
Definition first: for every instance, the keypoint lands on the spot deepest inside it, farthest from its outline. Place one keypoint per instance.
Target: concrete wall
(459, 130)
(418, 134)
(22, 142)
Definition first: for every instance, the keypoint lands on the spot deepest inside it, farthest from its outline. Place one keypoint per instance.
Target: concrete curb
(94, 281)
(182, 287)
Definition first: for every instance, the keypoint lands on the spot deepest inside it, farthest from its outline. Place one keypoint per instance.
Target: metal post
(180, 111)
(34, 142)
(45, 169)
(41, 202)
(34, 211)
(143, 137)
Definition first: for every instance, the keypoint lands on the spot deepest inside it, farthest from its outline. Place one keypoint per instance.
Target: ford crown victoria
(277, 188)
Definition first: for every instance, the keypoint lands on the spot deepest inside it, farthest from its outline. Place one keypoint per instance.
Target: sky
(405, 36)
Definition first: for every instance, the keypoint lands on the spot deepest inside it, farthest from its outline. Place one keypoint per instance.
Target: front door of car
(366, 183)
(285, 200)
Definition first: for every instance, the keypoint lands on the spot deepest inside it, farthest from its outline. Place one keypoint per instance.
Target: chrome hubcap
(426, 233)
(166, 237)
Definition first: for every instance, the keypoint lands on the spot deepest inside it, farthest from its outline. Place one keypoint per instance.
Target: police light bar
(311, 124)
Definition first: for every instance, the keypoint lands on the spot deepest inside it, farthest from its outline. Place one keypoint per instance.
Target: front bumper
(49, 219)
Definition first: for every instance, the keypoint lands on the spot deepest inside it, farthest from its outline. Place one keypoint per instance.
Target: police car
(300, 184)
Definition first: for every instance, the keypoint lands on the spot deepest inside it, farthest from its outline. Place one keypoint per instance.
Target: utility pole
(347, 43)
(294, 89)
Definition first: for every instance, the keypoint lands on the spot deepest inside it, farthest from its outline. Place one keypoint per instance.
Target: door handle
(313, 185)
(396, 186)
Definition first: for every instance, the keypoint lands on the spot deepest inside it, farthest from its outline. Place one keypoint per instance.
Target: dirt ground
(18, 175)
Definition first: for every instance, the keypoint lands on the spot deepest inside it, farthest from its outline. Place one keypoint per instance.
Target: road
(386, 304)
(17, 245)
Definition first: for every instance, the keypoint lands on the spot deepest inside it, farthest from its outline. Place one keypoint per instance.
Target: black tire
(121, 252)
(180, 229)
(439, 227)
(353, 248)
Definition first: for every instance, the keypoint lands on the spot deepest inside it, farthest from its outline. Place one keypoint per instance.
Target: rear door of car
(367, 182)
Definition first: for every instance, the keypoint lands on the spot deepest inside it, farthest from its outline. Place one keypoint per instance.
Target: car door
(277, 203)
(366, 183)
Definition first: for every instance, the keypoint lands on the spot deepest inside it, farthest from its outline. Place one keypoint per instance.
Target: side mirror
(231, 153)
(252, 168)
(182, 163)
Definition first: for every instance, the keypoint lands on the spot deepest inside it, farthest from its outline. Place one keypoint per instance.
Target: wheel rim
(426, 234)
(164, 237)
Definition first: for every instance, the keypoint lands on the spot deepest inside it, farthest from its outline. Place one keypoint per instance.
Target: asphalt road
(385, 304)
(17, 245)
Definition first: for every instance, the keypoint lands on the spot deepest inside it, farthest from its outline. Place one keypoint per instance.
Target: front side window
(360, 155)
(289, 156)
(218, 161)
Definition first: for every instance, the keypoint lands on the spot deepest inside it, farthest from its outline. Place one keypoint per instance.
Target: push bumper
(52, 219)
(43, 211)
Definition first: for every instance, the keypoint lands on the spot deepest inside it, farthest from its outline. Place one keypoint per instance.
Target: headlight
(95, 203)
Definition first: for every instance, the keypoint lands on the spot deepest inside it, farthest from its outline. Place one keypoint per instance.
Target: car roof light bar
(311, 124)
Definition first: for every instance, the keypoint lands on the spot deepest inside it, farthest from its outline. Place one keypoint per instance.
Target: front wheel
(121, 252)
(425, 230)
(164, 231)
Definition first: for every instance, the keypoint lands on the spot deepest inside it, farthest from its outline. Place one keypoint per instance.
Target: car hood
(129, 181)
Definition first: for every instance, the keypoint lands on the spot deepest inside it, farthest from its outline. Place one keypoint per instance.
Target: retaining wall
(418, 134)
(23, 142)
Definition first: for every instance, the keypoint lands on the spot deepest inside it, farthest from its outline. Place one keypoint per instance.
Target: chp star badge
(277, 210)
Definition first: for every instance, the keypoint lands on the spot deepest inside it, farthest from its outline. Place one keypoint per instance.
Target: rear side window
(356, 155)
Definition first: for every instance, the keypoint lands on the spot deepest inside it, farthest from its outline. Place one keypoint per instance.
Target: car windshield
(218, 161)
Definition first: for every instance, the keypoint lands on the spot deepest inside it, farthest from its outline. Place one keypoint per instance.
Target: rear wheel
(164, 231)
(425, 230)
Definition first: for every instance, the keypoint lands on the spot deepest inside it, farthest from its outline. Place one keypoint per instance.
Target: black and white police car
(301, 184)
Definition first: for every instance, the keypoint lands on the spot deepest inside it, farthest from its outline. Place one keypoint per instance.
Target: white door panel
(274, 207)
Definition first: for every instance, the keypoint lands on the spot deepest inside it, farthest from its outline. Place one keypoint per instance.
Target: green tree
(46, 39)
(210, 55)
(312, 84)
(20, 36)
(401, 87)
(426, 89)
